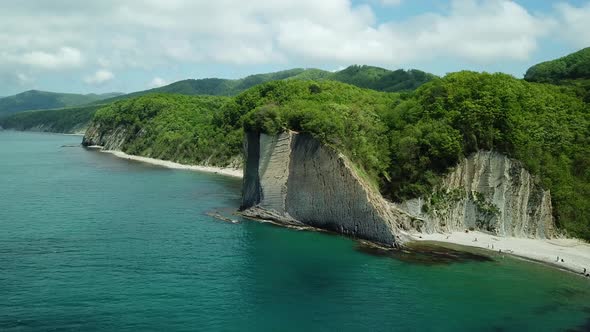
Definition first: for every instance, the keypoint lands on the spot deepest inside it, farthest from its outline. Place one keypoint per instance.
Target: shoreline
(233, 172)
(574, 252)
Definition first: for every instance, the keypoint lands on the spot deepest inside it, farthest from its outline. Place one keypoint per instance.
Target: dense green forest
(38, 100)
(172, 127)
(64, 120)
(572, 70)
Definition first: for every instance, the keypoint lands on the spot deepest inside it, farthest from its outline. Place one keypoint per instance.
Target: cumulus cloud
(575, 23)
(157, 82)
(101, 76)
(62, 58)
(24, 79)
(39, 35)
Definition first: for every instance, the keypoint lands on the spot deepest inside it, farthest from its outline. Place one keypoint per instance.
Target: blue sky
(129, 45)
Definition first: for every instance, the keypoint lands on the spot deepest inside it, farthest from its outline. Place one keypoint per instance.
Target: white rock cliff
(294, 179)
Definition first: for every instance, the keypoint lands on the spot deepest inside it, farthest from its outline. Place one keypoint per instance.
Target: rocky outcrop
(294, 179)
(489, 192)
(113, 139)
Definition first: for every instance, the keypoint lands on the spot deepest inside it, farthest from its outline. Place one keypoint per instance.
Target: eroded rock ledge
(293, 179)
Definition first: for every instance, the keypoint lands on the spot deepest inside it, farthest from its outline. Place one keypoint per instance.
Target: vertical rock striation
(293, 178)
(113, 139)
(490, 192)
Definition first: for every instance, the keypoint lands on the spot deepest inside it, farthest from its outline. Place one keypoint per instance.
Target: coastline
(233, 172)
(574, 252)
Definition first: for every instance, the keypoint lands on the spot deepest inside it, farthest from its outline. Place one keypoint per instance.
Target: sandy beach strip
(234, 172)
(574, 253)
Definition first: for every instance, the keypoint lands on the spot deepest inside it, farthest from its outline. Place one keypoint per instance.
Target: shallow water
(95, 243)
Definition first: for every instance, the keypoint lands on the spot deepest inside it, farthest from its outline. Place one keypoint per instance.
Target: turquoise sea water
(89, 242)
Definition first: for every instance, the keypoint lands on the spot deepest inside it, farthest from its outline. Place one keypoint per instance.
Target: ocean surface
(90, 242)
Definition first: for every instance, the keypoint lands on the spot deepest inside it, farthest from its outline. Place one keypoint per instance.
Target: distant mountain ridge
(70, 112)
(40, 100)
(368, 77)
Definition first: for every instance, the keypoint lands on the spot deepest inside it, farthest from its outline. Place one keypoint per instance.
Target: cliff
(294, 179)
(112, 139)
(489, 192)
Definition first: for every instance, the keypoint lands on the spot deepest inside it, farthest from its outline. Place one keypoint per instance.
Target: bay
(90, 242)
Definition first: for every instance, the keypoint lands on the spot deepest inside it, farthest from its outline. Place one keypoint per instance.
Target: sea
(91, 242)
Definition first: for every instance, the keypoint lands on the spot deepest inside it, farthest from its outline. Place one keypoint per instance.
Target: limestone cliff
(113, 139)
(293, 178)
(489, 192)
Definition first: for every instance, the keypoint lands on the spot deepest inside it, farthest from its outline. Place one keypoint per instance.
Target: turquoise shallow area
(89, 242)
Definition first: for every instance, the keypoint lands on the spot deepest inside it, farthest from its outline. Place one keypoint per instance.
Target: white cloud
(64, 57)
(39, 35)
(157, 82)
(574, 23)
(101, 76)
(24, 79)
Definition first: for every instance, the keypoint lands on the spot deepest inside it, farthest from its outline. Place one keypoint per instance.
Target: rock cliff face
(490, 192)
(108, 139)
(292, 178)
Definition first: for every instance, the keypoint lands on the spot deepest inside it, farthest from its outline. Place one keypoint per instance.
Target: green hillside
(380, 79)
(65, 120)
(571, 70)
(38, 100)
(375, 78)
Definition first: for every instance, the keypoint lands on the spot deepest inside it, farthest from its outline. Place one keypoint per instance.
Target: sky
(97, 46)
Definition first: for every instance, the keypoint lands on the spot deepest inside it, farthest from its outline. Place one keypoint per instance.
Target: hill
(38, 100)
(369, 77)
(64, 120)
(571, 70)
